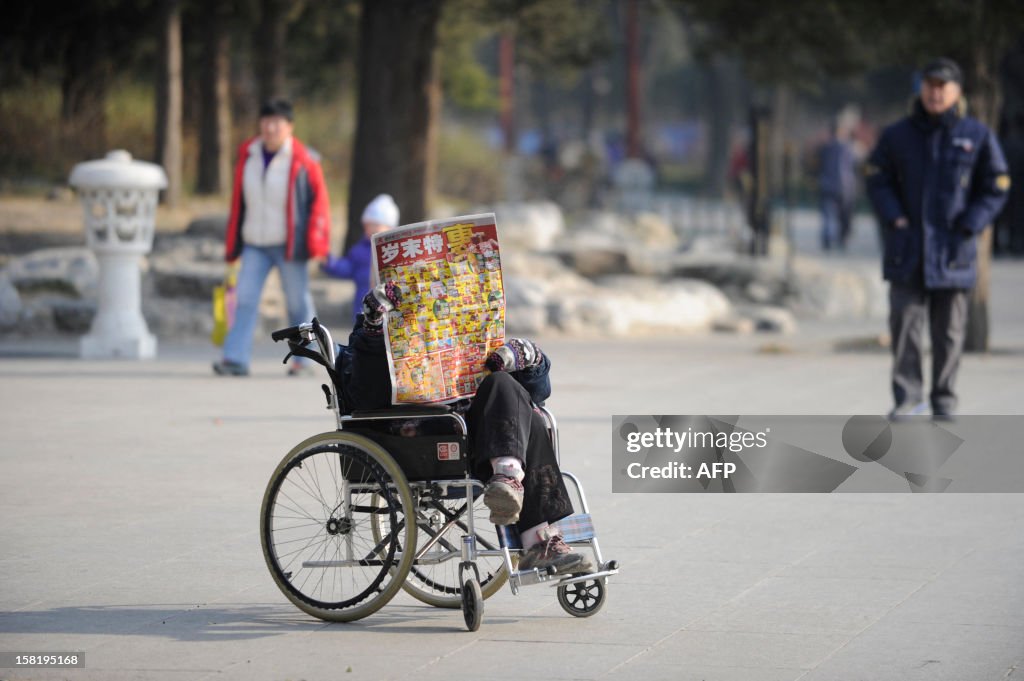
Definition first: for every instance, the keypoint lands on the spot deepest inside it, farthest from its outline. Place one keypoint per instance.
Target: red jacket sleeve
(233, 232)
(319, 229)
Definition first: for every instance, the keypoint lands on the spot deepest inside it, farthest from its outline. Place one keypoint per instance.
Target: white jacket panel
(265, 193)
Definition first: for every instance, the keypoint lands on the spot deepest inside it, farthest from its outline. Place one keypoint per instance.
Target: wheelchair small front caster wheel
(582, 599)
(472, 604)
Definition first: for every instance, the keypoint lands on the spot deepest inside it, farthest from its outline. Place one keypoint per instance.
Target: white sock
(533, 536)
(508, 465)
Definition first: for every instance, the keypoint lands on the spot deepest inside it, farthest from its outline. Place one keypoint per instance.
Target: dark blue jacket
(947, 176)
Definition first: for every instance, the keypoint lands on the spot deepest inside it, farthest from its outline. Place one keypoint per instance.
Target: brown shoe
(504, 497)
(555, 553)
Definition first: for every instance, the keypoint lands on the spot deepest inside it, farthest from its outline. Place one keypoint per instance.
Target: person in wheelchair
(508, 439)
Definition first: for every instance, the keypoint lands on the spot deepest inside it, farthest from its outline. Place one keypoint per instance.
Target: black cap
(277, 107)
(943, 69)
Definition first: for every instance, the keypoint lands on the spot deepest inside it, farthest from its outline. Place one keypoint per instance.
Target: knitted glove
(514, 355)
(379, 301)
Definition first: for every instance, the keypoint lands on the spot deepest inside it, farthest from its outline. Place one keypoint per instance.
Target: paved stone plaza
(130, 491)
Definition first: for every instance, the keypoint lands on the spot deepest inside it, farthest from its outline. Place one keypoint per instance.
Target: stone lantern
(119, 197)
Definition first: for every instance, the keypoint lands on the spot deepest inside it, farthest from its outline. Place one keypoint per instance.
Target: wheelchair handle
(290, 332)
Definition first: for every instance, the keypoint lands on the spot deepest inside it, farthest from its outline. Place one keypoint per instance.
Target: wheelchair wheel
(434, 577)
(333, 528)
(582, 599)
(472, 604)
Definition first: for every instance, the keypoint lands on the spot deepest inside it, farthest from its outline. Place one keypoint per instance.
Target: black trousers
(946, 312)
(503, 422)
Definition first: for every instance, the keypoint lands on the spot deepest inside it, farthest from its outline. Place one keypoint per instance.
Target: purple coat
(354, 265)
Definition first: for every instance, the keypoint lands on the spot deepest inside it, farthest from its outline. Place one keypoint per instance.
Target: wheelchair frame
(367, 527)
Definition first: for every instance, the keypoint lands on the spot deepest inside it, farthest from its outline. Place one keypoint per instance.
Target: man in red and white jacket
(280, 217)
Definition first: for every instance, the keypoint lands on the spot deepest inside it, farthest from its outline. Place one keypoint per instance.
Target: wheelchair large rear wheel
(434, 577)
(333, 527)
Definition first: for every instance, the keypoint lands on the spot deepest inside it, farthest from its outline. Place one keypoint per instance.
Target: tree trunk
(506, 69)
(270, 49)
(214, 102)
(720, 107)
(396, 57)
(634, 144)
(169, 99)
(436, 99)
(984, 103)
(84, 86)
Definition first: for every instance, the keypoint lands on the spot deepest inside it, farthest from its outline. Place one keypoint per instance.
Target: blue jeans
(835, 219)
(257, 261)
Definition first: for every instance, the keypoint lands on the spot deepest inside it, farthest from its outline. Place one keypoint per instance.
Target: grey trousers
(946, 312)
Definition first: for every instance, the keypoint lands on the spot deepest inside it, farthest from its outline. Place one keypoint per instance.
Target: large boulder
(183, 267)
(209, 227)
(528, 226)
(10, 304)
(65, 271)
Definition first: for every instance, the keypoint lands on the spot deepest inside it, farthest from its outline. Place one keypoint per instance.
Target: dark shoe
(226, 367)
(555, 553)
(908, 409)
(943, 416)
(504, 496)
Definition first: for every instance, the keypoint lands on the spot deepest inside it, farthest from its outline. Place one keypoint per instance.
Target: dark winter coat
(947, 176)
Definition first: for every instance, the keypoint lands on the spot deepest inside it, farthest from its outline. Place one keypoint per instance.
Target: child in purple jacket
(380, 215)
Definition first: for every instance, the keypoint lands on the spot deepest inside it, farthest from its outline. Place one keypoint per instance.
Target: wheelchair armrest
(402, 411)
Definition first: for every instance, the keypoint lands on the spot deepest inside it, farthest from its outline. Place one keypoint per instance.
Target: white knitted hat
(382, 209)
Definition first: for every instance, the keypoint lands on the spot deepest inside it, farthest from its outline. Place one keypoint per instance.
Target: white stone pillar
(119, 197)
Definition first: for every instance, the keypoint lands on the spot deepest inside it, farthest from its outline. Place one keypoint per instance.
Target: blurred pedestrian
(837, 188)
(380, 215)
(280, 217)
(936, 179)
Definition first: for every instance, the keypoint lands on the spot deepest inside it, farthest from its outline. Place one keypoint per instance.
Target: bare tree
(169, 98)
(214, 101)
(396, 73)
(270, 49)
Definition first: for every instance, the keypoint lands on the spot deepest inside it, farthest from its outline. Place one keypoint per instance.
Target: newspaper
(453, 309)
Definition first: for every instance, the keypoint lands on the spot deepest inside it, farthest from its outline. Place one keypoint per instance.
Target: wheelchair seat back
(428, 443)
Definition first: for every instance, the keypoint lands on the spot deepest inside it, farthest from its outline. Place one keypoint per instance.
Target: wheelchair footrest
(573, 579)
(578, 527)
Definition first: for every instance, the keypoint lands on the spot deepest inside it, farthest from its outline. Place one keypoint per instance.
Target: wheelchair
(386, 503)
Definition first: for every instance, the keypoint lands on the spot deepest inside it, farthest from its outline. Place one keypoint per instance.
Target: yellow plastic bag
(224, 302)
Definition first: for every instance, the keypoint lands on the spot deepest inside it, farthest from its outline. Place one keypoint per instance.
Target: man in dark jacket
(936, 179)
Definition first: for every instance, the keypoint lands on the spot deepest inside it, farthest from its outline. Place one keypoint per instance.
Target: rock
(186, 267)
(10, 304)
(209, 226)
(530, 226)
(594, 261)
(624, 305)
(67, 271)
(770, 319)
(73, 316)
(178, 317)
(650, 229)
(734, 324)
(186, 279)
(523, 320)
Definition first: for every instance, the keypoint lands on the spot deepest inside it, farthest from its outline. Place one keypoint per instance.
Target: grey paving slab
(926, 651)
(801, 605)
(690, 672)
(754, 650)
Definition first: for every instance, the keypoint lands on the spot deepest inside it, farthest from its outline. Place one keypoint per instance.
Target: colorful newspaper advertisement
(453, 308)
